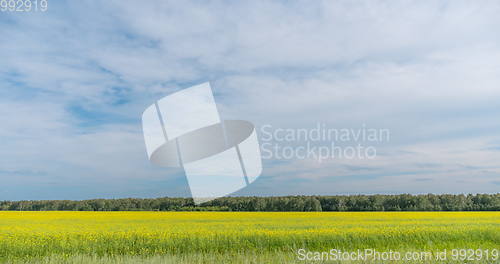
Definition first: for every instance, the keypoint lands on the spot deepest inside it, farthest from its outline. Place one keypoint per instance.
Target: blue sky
(75, 80)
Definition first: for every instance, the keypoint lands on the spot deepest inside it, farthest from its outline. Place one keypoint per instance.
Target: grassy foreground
(229, 237)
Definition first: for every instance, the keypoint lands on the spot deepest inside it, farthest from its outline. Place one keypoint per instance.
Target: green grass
(227, 237)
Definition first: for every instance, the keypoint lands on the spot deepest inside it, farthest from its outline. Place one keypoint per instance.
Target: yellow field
(39, 235)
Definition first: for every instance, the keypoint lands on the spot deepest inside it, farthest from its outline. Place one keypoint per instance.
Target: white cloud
(427, 70)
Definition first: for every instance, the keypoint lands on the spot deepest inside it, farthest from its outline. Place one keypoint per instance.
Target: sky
(75, 80)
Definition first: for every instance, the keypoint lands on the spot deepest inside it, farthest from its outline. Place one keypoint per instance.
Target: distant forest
(402, 202)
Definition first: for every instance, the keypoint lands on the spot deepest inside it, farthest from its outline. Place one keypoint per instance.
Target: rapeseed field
(233, 237)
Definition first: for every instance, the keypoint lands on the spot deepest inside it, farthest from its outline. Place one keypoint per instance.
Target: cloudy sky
(75, 80)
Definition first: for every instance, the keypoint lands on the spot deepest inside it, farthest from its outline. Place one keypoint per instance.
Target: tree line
(402, 202)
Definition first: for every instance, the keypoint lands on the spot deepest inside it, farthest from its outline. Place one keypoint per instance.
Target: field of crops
(230, 237)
